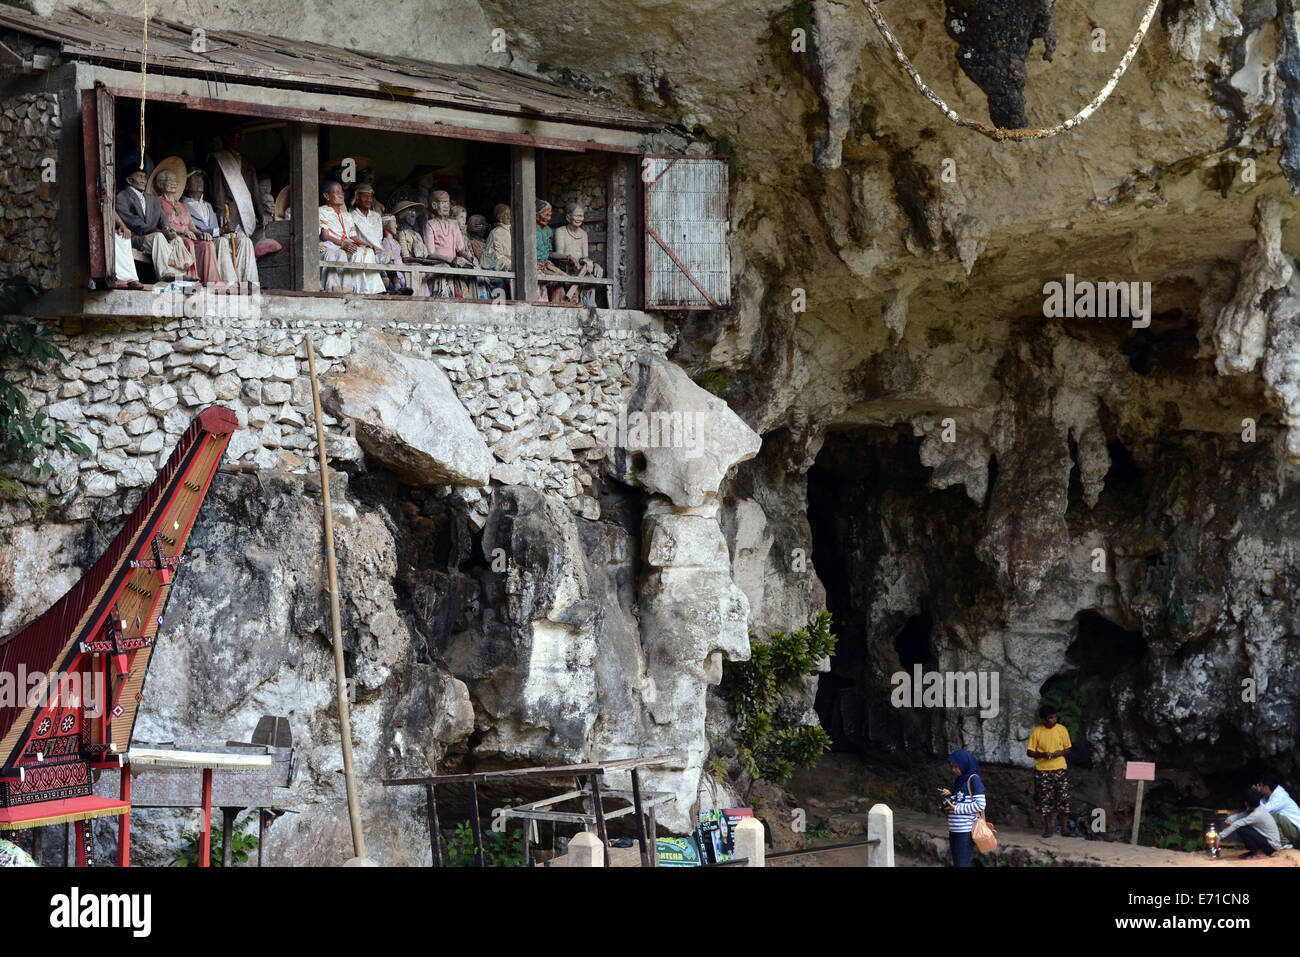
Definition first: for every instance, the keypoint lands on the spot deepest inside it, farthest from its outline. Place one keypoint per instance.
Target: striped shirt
(961, 820)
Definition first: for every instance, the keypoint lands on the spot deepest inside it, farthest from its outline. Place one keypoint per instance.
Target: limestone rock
(674, 438)
(407, 416)
(1242, 326)
(839, 33)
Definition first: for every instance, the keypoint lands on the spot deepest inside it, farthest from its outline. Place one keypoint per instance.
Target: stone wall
(534, 380)
(29, 179)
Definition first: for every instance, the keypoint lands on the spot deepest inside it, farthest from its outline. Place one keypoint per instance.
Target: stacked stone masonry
(535, 391)
(29, 179)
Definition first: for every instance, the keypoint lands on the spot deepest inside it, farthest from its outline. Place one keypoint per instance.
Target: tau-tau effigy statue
(141, 214)
(499, 250)
(338, 240)
(234, 186)
(266, 198)
(124, 274)
(466, 286)
(545, 253)
(444, 241)
(369, 226)
(571, 247)
(200, 246)
(476, 230)
(410, 242)
(395, 281)
(236, 262)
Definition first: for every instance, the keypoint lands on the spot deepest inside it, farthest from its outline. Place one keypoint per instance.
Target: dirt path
(921, 840)
(927, 835)
(841, 792)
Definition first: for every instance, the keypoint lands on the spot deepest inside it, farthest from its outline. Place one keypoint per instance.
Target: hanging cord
(997, 133)
(144, 70)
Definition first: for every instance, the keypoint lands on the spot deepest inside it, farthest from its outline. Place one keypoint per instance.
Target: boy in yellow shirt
(1049, 743)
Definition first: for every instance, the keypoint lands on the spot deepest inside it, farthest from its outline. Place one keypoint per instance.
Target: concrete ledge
(274, 310)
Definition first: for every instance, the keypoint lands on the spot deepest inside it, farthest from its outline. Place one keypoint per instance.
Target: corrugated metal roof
(236, 56)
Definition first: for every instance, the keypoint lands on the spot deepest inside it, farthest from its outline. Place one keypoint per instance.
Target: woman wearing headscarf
(964, 804)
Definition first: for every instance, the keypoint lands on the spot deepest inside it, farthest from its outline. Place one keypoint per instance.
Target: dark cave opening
(1083, 691)
(870, 504)
(913, 642)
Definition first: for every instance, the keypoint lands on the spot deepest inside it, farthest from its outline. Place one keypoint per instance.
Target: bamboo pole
(340, 677)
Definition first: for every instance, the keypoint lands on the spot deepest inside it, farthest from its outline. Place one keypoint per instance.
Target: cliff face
(1098, 514)
(1072, 502)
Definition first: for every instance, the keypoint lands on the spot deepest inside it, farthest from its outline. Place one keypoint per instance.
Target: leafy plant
(1068, 695)
(717, 768)
(813, 834)
(714, 382)
(500, 848)
(11, 491)
(27, 439)
(242, 846)
(1174, 829)
(768, 748)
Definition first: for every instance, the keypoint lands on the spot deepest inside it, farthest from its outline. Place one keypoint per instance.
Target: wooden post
(83, 835)
(475, 825)
(261, 833)
(632, 231)
(228, 815)
(124, 822)
(1141, 772)
(340, 673)
(640, 819)
(654, 837)
(523, 217)
(304, 194)
(1137, 813)
(205, 826)
(598, 808)
(435, 838)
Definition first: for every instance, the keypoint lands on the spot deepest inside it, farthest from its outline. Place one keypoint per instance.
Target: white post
(749, 841)
(585, 850)
(880, 824)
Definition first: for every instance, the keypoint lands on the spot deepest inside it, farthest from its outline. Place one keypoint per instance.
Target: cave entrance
(1083, 690)
(894, 556)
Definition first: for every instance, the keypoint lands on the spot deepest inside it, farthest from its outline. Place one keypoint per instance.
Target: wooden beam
(577, 817)
(304, 177)
(11, 62)
(558, 771)
(547, 802)
(523, 215)
(359, 110)
(198, 759)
